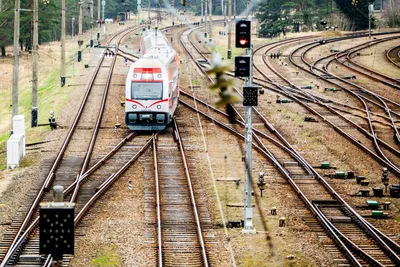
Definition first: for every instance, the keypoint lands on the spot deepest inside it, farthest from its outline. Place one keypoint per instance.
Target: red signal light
(243, 41)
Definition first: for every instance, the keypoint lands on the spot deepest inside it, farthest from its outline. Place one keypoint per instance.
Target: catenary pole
(210, 24)
(80, 41)
(206, 18)
(34, 121)
(202, 8)
(63, 43)
(16, 61)
(91, 22)
(229, 29)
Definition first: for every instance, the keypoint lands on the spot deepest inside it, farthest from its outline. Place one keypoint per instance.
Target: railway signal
(242, 66)
(243, 34)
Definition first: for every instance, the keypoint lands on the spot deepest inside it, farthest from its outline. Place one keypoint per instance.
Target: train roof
(154, 38)
(147, 63)
(156, 46)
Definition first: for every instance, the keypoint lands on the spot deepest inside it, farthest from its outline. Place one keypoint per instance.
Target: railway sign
(56, 235)
(250, 96)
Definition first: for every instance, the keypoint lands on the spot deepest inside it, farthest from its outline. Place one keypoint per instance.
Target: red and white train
(152, 85)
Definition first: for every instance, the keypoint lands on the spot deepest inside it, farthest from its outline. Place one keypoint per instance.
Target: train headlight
(135, 75)
(134, 106)
(159, 75)
(158, 106)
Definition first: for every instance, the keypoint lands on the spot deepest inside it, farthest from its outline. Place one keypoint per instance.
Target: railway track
(181, 220)
(70, 169)
(325, 204)
(318, 105)
(364, 95)
(393, 55)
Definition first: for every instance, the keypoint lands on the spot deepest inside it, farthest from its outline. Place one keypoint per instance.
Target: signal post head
(243, 34)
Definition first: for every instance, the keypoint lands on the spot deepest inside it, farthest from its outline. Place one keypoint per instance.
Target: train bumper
(142, 121)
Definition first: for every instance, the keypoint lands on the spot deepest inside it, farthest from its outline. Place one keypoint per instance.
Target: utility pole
(370, 9)
(98, 12)
(139, 3)
(16, 61)
(234, 9)
(206, 18)
(229, 30)
(148, 10)
(202, 8)
(172, 14)
(80, 41)
(63, 78)
(223, 5)
(34, 120)
(91, 22)
(210, 24)
(103, 3)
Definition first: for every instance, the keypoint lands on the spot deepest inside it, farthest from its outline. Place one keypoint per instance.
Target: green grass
(107, 257)
(51, 96)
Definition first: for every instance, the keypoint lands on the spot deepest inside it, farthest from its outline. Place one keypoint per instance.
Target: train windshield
(146, 90)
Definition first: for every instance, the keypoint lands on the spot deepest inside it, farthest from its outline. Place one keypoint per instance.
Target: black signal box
(242, 66)
(243, 34)
(250, 96)
(56, 235)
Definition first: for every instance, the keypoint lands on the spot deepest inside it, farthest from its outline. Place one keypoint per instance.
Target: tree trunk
(3, 51)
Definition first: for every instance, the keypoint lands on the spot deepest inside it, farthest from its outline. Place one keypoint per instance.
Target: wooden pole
(63, 78)
(34, 121)
(229, 30)
(16, 61)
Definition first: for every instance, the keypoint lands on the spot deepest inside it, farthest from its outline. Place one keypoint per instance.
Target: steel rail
(96, 129)
(330, 231)
(265, 121)
(201, 68)
(196, 61)
(106, 185)
(368, 228)
(158, 205)
(373, 230)
(110, 182)
(390, 58)
(366, 109)
(349, 58)
(191, 191)
(390, 165)
(51, 176)
(317, 101)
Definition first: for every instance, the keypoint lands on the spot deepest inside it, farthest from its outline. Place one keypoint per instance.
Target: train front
(147, 103)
